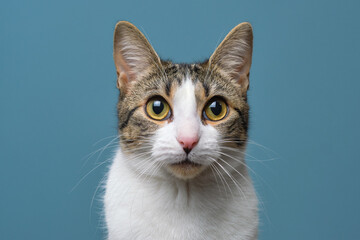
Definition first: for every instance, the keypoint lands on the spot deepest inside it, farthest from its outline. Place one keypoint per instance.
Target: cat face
(181, 118)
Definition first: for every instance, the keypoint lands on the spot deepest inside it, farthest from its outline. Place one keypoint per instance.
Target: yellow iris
(158, 109)
(215, 110)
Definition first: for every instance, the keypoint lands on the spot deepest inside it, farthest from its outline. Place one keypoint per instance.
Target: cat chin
(185, 170)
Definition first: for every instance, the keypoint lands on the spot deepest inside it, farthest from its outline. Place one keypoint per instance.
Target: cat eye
(158, 109)
(215, 110)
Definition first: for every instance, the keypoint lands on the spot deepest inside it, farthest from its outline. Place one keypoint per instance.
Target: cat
(179, 171)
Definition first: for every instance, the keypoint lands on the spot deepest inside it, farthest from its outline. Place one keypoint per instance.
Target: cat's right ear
(133, 54)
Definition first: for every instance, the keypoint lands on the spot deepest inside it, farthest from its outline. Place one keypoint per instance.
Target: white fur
(143, 200)
(187, 121)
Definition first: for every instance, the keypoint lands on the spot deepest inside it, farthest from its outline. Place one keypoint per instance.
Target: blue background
(58, 97)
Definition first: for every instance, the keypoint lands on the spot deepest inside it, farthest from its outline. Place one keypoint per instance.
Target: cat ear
(233, 56)
(133, 54)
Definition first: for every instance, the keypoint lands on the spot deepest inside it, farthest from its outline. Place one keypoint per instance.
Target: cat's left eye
(158, 109)
(215, 110)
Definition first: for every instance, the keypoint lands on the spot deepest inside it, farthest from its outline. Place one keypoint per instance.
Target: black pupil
(216, 108)
(158, 107)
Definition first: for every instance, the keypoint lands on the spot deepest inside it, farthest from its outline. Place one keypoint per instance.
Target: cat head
(182, 119)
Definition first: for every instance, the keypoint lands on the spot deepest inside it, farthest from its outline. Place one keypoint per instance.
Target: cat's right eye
(158, 109)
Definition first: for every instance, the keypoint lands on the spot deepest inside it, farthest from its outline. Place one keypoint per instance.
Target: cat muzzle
(186, 169)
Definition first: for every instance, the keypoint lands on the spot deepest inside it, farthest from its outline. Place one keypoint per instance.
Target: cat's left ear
(233, 56)
(133, 55)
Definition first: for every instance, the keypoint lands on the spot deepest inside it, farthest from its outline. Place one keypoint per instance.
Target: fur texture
(160, 188)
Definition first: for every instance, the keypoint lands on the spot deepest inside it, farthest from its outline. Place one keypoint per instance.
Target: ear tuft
(133, 54)
(233, 56)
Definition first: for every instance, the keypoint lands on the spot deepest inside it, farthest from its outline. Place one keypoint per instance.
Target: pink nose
(188, 143)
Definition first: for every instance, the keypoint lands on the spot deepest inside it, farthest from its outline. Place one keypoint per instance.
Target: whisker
(247, 181)
(225, 179)
(217, 183)
(238, 151)
(244, 164)
(101, 150)
(77, 184)
(97, 142)
(262, 146)
(221, 178)
(141, 164)
(150, 167)
(232, 178)
(102, 182)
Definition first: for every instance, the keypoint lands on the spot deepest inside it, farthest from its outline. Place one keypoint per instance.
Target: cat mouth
(186, 169)
(186, 163)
